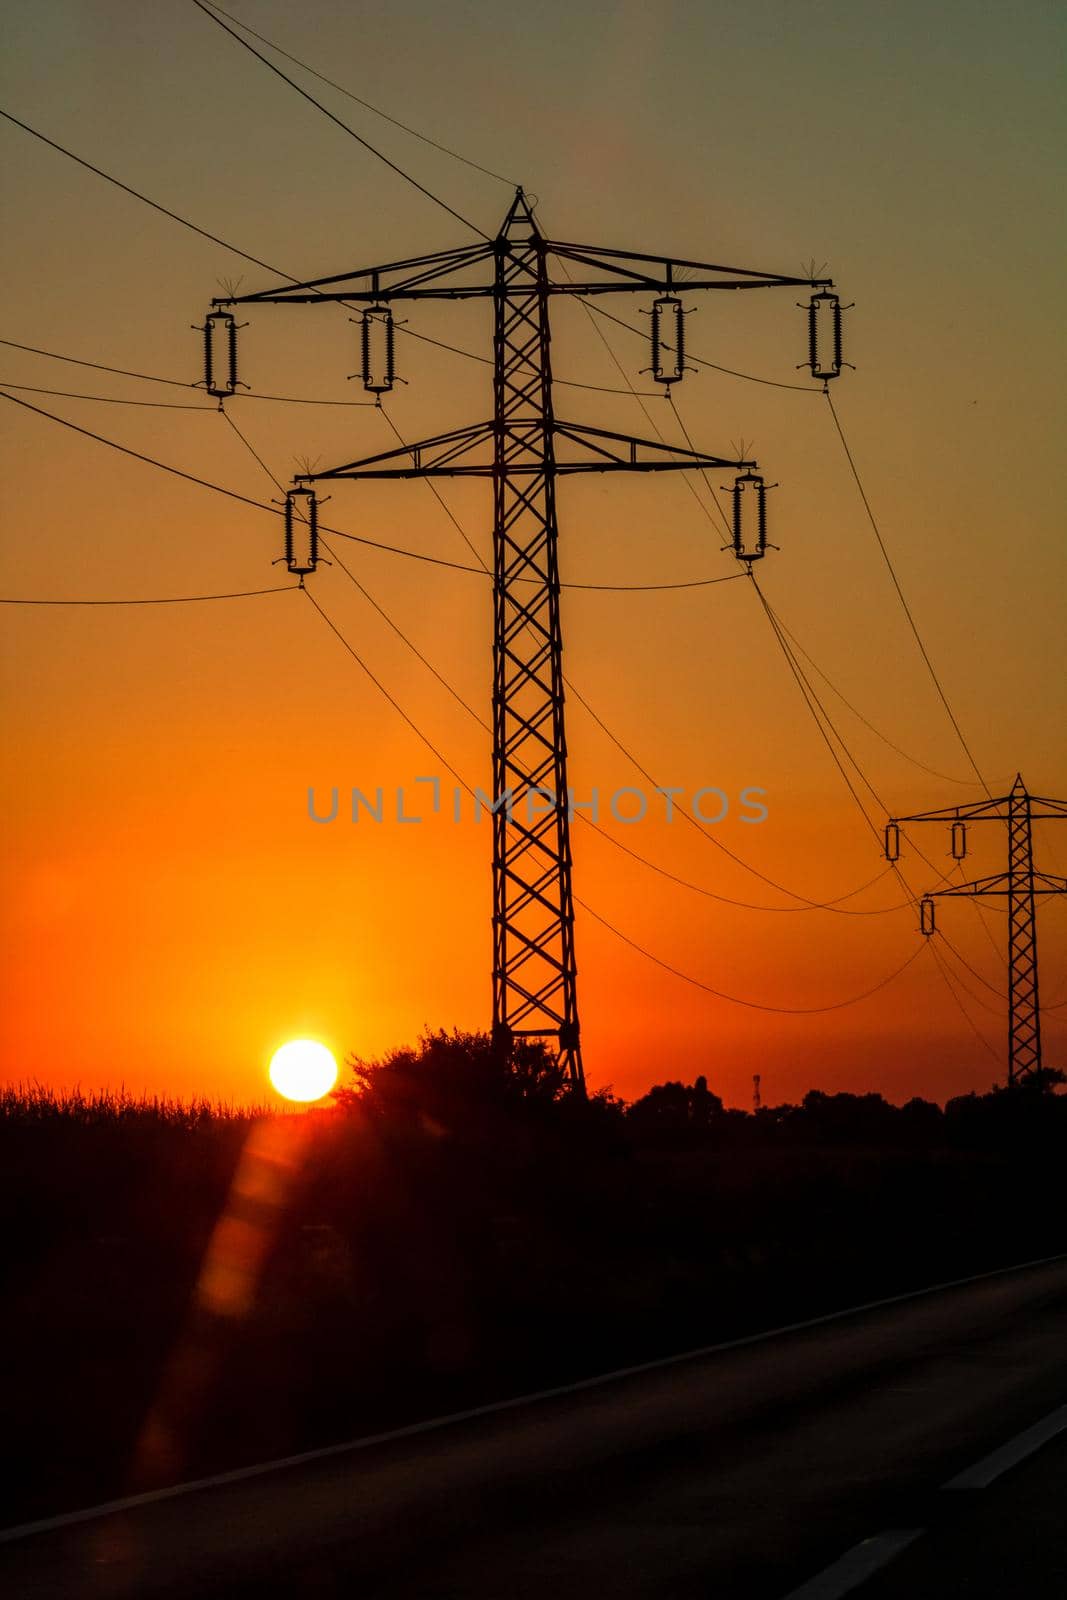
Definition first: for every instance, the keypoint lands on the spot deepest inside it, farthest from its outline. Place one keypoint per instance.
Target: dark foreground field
(186, 1290)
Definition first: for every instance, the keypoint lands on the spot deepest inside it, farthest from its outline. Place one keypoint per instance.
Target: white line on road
(986, 1471)
(218, 1480)
(856, 1565)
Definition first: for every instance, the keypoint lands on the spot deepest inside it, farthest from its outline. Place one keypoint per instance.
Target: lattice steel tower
(525, 448)
(1020, 885)
(534, 970)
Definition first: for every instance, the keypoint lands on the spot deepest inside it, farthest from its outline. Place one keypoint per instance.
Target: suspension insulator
(750, 517)
(301, 531)
(824, 336)
(377, 338)
(892, 841)
(220, 354)
(927, 924)
(959, 840)
(668, 340)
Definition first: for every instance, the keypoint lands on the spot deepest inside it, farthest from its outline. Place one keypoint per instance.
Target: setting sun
(303, 1070)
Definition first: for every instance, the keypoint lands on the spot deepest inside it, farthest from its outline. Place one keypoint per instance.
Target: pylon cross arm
(631, 270)
(445, 455)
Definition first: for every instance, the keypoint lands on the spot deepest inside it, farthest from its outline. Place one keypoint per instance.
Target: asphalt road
(1008, 1541)
(741, 1474)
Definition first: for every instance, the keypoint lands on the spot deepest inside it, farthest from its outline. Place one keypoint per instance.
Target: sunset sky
(171, 913)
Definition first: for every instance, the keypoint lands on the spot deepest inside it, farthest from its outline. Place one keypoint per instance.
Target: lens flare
(303, 1069)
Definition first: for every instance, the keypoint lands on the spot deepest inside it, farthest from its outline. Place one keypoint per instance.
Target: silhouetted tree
(846, 1118)
(450, 1078)
(676, 1111)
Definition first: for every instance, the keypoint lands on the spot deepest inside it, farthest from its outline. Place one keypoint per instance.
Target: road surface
(754, 1472)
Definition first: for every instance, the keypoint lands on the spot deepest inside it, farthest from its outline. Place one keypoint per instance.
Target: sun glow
(303, 1069)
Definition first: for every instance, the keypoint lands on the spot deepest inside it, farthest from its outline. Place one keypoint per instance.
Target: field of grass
(26, 1104)
(192, 1286)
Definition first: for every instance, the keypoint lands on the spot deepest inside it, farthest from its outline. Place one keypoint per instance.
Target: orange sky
(171, 913)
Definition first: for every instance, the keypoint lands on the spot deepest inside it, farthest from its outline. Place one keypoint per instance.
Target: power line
(225, 245)
(98, 366)
(343, 125)
(339, 533)
(231, 494)
(412, 646)
(378, 112)
(439, 497)
(437, 561)
(805, 687)
(720, 994)
(749, 377)
(107, 399)
(784, 631)
(192, 226)
(807, 904)
(725, 537)
(932, 771)
(441, 679)
(626, 849)
(811, 701)
(375, 544)
(162, 600)
(151, 377)
(942, 968)
(733, 999)
(641, 950)
(266, 265)
(600, 388)
(365, 592)
(976, 903)
(137, 455)
(652, 588)
(380, 686)
(424, 338)
(900, 594)
(611, 588)
(251, 449)
(972, 970)
(820, 716)
(137, 195)
(156, 206)
(568, 383)
(771, 882)
(639, 397)
(710, 894)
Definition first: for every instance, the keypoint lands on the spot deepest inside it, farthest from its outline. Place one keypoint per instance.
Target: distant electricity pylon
(1021, 884)
(524, 449)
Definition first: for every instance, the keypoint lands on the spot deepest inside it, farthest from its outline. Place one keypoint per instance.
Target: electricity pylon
(1021, 885)
(524, 449)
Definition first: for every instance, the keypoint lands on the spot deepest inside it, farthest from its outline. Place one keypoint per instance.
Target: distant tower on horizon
(1020, 886)
(756, 1099)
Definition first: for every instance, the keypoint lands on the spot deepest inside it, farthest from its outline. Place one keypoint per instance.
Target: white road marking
(856, 1565)
(350, 1446)
(986, 1471)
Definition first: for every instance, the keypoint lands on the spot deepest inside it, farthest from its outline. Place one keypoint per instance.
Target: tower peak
(520, 217)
